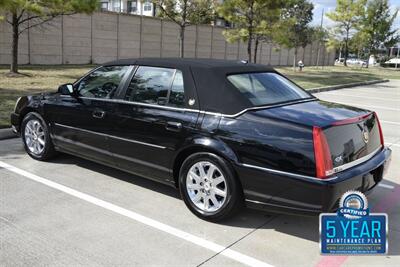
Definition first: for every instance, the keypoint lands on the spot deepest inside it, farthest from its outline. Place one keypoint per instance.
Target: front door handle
(173, 126)
(98, 114)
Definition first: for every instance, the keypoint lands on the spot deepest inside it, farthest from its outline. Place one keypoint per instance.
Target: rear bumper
(281, 192)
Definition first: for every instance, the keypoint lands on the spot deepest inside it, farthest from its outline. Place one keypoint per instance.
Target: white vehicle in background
(351, 61)
(393, 62)
(356, 61)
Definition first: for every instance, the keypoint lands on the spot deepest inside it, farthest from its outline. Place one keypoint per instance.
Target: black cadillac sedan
(225, 133)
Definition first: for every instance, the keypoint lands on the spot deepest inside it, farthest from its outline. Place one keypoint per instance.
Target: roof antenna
(244, 61)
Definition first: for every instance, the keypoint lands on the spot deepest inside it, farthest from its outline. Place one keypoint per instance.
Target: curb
(342, 86)
(7, 133)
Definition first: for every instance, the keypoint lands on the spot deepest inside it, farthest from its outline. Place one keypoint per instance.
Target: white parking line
(374, 91)
(386, 186)
(367, 106)
(366, 97)
(390, 122)
(392, 144)
(227, 252)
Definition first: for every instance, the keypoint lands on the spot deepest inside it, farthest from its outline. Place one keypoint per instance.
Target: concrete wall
(101, 37)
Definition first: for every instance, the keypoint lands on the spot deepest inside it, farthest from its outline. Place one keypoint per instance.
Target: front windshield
(266, 88)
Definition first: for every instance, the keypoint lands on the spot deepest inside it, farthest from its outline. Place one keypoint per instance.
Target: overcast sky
(329, 5)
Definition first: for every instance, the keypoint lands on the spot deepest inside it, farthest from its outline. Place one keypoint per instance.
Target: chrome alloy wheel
(34, 137)
(206, 186)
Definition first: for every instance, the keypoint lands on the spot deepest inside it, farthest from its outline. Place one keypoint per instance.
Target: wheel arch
(209, 145)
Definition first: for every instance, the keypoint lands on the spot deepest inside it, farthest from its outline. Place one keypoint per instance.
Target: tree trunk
(294, 59)
(368, 55)
(249, 42)
(346, 48)
(182, 42)
(256, 49)
(15, 39)
(318, 53)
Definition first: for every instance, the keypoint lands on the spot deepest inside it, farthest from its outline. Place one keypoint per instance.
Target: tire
(36, 137)
(213, 194)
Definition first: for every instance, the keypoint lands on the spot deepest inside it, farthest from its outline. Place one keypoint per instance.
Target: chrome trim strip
(110, 154)
(110, 136)
(356, 162)
(191, 110)
(295, 175)
(139, 104)
(335, 170)
(255, 201)
(275, 205)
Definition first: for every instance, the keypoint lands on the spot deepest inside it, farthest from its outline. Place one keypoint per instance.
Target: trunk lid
(353, 141)
(353, 135)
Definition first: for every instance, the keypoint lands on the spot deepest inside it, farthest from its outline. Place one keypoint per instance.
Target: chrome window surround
(188, 109)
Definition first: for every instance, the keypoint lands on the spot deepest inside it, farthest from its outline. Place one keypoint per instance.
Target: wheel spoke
(37, 147)
(29, 128)
(215, 201)
(34, 147)
(206, 202)
(194, 176)
(197, 197)
(41, 141)
(219, 192)
(28, 141)
(218, 180)
(35, 126)
(211, 171)
(200, 166)
(194, 186)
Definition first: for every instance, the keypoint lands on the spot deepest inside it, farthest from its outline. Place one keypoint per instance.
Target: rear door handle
(173, 126)
(98, 114)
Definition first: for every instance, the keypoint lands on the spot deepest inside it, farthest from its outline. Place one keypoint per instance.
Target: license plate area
(371, 179)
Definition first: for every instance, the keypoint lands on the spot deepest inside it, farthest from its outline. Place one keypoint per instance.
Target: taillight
(380, 130)
(323, 160)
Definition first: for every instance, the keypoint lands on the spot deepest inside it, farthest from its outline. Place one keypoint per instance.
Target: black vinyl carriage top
(213, 92)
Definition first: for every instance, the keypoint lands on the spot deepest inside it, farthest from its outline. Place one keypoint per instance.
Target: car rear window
(266, 88)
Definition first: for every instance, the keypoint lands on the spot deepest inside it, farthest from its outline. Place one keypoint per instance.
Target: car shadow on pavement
(118, 174)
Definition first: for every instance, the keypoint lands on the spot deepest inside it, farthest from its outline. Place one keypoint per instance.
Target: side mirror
(66, 89)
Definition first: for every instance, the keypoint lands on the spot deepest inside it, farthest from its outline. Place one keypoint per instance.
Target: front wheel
(209, 187)
(36, 137)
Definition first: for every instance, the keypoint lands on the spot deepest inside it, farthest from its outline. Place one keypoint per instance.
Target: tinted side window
(103, 82)
(150, 85)
(177, 94)
(266, 88)
(153, 85)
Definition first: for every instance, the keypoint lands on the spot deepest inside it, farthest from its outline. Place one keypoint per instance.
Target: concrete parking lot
(74, 212)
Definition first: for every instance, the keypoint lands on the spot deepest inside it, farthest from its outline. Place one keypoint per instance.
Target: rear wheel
(36, 137)
(209, 187)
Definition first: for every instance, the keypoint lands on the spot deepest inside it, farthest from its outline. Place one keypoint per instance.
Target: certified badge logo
(353, 205)
(353, 229)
